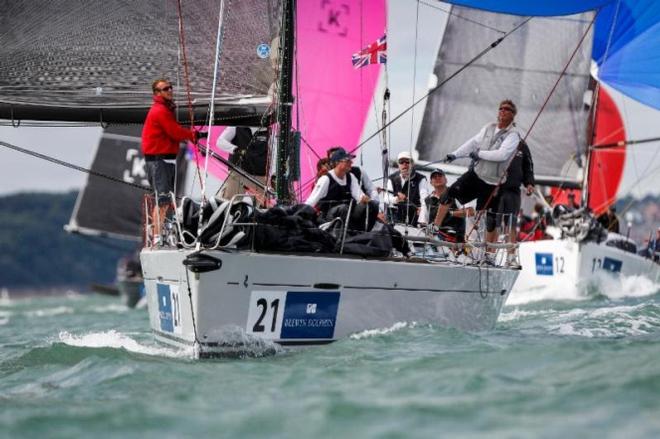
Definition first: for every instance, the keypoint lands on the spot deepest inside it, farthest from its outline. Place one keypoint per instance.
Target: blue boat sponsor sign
(165, 307)
(611, 264)
(544, 264)
(310, 315)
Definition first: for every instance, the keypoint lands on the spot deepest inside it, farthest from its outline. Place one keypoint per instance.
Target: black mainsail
(94, 61)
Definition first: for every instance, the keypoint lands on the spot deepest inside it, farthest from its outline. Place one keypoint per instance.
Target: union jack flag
(374, 53)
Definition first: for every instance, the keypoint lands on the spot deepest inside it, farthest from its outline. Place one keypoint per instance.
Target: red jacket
(162, 134)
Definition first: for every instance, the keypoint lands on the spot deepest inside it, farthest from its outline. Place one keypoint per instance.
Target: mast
(285, 100)
(591, 135)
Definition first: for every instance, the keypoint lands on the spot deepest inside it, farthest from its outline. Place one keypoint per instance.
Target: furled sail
(78, 60)
(523, 68)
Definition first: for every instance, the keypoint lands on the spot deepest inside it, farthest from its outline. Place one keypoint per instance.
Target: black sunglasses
(506, 109)
(168, 88)
(402, 162)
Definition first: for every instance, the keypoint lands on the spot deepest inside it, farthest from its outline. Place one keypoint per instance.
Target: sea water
(585, 366)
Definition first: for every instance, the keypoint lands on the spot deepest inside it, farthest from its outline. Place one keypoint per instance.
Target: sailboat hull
(296, 300)
(567, 263)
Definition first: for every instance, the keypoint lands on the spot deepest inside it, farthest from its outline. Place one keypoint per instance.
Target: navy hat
(437, 172)
(340, 155)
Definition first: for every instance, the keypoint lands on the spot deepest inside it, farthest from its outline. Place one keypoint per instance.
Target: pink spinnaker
(332, 98)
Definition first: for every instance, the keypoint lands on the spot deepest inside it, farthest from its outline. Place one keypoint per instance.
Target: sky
(20, 172)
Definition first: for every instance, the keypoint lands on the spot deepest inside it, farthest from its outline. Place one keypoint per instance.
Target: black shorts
(161, 176)
(508, 207)
(469, 187)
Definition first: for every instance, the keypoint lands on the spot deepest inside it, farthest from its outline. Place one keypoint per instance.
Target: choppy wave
(48, 312)
(114, 307)
(378, 332)
(606, 322)
(117, 340)
(613, 287)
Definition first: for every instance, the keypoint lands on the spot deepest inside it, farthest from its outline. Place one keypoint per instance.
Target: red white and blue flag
(374, 53)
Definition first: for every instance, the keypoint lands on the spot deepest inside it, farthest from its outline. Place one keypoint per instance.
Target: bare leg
(158, 219)
(512, 240)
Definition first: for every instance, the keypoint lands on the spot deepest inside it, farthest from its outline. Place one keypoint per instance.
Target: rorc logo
(334, 15)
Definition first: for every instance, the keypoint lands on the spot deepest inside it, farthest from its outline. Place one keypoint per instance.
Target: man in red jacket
(161, 138)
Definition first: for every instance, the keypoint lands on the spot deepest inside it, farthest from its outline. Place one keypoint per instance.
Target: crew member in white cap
(406, 190)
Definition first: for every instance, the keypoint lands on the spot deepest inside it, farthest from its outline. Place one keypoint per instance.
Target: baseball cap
(404, 155)
(340, 155)
(437, 172)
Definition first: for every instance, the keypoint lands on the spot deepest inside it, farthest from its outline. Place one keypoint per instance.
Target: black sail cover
(106, 207)
(523, 68)
(94, 60)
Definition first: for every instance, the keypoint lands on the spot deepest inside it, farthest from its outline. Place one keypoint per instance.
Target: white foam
(614, 321)
(47, 312)
(626, 286)
(115, 307)
(517, 314)
(377, 332)
(614, 287)
(117, 340)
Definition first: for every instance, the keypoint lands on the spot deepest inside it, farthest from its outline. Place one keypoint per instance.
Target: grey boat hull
(297, 300)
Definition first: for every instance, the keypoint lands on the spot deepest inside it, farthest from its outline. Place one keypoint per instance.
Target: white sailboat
(204, 294)
(214, 287)
(555, 124)
(582, 252)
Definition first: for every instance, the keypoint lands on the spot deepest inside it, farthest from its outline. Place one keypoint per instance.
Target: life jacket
(488, 171)
(357, 171)
(251, 153)
(337, 194)
(413, 182)
(456, 223)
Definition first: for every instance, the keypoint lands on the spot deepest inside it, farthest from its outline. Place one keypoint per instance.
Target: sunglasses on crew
(404, 162)
(168, 88)
(506, 109)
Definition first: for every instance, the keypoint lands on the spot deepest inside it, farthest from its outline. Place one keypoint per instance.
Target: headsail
(332, 98)
(524, 67)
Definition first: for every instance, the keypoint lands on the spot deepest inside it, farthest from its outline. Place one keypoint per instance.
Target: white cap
(404, 155)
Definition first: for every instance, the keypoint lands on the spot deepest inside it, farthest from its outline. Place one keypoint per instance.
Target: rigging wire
(411, 169)
(469, 20)
(218, 46)
(449, 78)
(71, 165)
(186, 77)
(386, 126)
